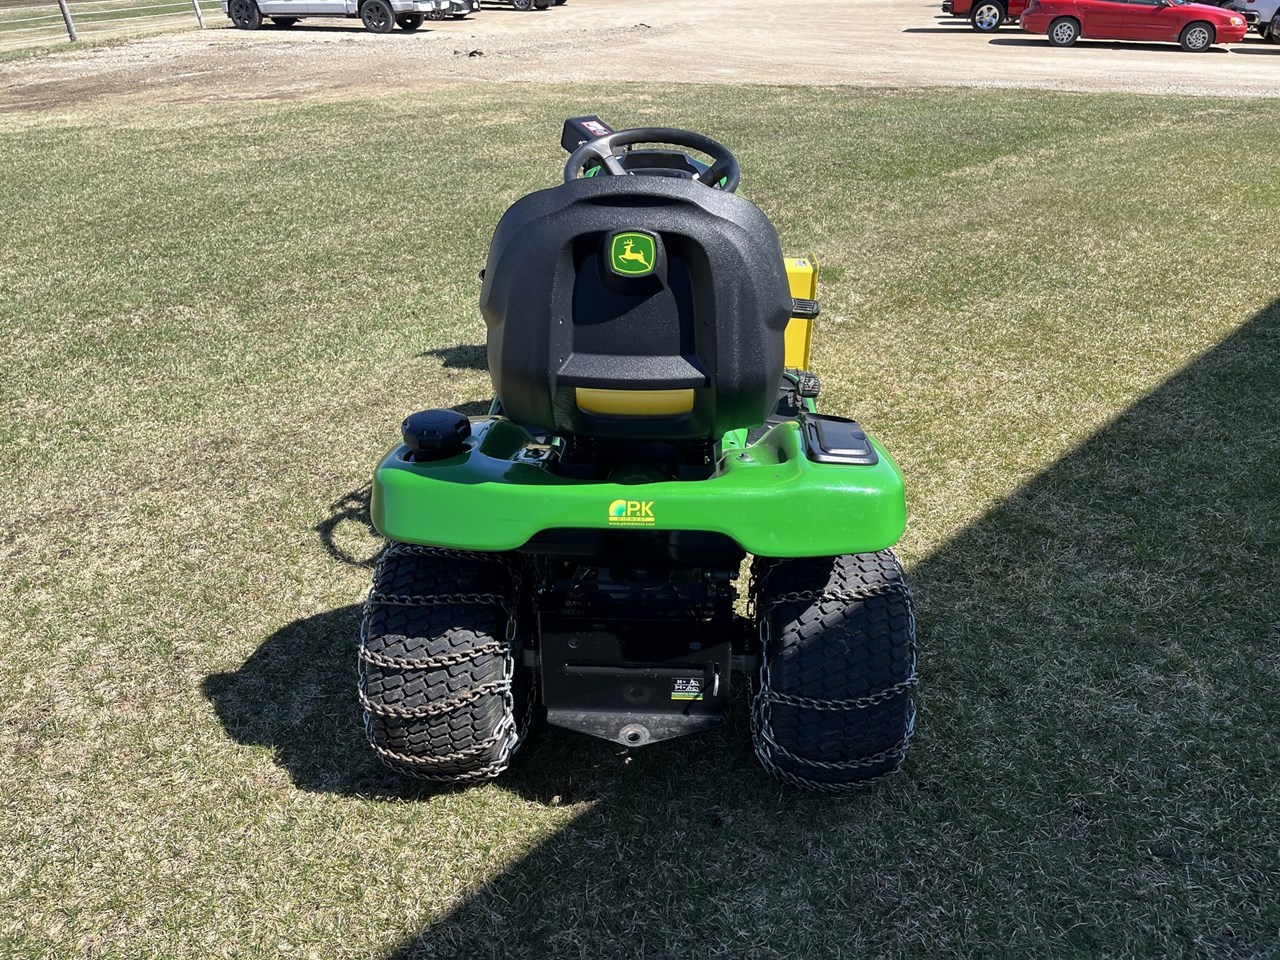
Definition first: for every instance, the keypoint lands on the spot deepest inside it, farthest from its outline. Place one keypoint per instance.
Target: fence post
(199, 15)
(66, 18)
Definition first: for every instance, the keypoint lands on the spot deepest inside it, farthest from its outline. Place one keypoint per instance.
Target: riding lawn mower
(578, 551)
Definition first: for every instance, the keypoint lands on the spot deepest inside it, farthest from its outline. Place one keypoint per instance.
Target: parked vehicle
(531, 4)
(1196, 26)
(1262, 15)
(984, 16)
(378, 16)
(457, 9)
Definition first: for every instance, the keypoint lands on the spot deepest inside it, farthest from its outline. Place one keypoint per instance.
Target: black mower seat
(636, 308)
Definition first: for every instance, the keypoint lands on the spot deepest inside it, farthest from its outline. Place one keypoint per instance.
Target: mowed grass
(1058, 311)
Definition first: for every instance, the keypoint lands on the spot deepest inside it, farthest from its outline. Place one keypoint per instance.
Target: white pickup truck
(1261, 15)
(378, 16)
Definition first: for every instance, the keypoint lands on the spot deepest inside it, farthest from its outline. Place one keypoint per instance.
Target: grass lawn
(29, 27)
(1058, 311)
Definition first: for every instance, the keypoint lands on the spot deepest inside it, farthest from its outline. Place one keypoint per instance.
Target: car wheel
(409, 22)
(522, 4)
(377, 17)
(284, 22)
(1273, 33)
(1063, 32)
(435, 15)
(245, 14)
(1196, 37)
(987, 16)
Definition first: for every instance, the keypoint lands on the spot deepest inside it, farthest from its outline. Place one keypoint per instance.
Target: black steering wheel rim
(604, 152)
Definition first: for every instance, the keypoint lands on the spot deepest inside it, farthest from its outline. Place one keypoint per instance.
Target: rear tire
(1273, 32)
(376, 16)
(833, 705)
(245, 14)
(1196, 37)
(522, 4)
(1063, 32)
(442, 693)
(987, 15)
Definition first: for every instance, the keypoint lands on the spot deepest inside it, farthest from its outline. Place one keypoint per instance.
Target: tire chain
(510, 734)
(765, 695)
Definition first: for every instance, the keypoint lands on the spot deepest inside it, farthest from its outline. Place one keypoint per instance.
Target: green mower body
(575, 553)
(769, 497)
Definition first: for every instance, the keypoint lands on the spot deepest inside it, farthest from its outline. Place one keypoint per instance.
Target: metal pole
(199, 15)
(66, 18)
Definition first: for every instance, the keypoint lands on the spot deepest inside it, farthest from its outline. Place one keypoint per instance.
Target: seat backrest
(636, 307)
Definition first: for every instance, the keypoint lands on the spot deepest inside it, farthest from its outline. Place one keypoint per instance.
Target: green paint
(632, 254)
(769, 498)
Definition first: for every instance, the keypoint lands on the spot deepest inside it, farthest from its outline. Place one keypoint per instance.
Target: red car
(1196, 26)
(984, 15)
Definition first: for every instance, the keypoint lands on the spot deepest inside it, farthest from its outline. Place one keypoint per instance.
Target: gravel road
(898, 43)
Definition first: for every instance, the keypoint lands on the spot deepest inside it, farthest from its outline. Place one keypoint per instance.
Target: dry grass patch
(1057, 311)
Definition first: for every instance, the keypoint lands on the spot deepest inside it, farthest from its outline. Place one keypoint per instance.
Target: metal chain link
(858, 703)
(432, 663)
(797, 596)
(767, 748)
(436, 599)
(510, 733)
(457, 756)
(432, 709)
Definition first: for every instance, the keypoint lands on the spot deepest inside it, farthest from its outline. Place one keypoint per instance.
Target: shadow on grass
(1095, 772)
(466, 356)
(296, 695)
(350, 514)
(347, 534)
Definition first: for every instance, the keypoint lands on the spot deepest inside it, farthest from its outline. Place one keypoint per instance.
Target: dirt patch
(870, 43)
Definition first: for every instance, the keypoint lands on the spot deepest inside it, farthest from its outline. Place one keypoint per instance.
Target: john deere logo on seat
(632, 254)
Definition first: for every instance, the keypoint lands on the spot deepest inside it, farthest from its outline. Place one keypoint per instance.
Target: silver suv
(378, 16)
(1260, 14)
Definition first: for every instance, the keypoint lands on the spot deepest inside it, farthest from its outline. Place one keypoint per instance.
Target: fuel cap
(435, 434)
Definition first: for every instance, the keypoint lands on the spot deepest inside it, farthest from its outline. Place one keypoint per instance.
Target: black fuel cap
(435, 434)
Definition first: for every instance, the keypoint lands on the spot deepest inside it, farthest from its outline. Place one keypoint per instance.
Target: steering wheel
(606, 151)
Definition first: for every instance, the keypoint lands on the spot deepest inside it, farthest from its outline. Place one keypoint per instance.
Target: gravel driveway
(863, 42)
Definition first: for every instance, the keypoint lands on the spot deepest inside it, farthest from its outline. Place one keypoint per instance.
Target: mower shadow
(1046, 596)
(466, 356)
(296, 695)
(1090, 653)
(350, 508)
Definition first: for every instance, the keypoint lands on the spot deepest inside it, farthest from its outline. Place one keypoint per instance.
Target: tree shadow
(1095, 768)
